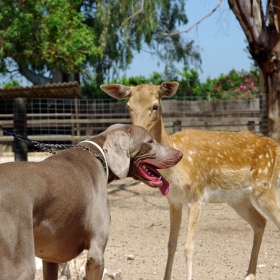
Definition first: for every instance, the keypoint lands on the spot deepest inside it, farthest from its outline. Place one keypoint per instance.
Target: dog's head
(131, 151)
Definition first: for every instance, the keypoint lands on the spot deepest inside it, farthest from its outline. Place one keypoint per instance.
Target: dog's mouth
(152, 177)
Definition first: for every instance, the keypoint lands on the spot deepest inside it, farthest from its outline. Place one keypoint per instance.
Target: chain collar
(103, 161)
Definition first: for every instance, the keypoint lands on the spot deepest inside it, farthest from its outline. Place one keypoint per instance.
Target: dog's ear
(116, 148)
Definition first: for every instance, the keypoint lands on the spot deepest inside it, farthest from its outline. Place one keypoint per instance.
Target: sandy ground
(140, 227)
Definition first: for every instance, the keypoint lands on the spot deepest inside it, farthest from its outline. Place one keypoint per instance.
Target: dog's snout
(180, 154)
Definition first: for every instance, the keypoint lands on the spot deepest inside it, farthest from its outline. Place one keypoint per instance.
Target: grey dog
(56, 208)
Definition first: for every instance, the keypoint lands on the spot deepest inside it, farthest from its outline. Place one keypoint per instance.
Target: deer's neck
(160, 134)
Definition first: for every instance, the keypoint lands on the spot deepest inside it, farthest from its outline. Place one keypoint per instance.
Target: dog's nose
(180, 154)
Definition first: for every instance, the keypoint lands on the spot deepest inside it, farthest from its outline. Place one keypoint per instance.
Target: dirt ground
(140, 227)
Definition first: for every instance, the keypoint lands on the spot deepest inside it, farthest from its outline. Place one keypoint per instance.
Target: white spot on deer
(190, 159)
(268, 164)
(211, 172)
(225, 195)
(265, 170)
(260, 156)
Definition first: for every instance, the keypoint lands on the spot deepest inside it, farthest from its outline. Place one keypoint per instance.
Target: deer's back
(222, 165)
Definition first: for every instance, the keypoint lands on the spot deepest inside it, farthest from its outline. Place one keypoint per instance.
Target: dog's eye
(151, 141)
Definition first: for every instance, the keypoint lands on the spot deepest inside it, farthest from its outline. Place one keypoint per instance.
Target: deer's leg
(50, 270)
(194, 211)
(249, 213)
(267, 202)
(175, 223)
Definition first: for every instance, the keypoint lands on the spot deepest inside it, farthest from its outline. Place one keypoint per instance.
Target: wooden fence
(59, 121)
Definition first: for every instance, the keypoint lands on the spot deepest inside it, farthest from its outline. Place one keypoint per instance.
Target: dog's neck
(99, 140)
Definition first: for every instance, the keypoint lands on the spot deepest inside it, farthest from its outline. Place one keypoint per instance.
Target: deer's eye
(155, 107)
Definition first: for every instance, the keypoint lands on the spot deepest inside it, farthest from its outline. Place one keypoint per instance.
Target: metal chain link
(48, 147)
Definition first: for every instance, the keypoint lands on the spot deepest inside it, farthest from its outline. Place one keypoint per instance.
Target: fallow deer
(239, 168)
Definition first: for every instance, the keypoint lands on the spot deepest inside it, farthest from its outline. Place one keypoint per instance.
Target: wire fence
(69, 121)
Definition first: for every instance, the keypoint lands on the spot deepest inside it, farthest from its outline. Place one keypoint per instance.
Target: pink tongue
(165, 187)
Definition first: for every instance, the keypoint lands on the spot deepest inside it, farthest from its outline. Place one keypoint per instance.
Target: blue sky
(220, 38)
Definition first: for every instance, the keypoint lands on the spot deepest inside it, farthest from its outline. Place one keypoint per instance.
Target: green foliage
(11, 84)
(235, 85)
(91, 36)
(121, 31)
(155, 78)
(189, 83)
(91, 89)
(50, 32)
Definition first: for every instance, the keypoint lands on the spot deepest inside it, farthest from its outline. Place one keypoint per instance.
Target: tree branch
(198, 22)
(133, 15)
(34, 78)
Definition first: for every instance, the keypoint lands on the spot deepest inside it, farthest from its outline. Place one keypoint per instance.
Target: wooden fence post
(263, 121)
(1, 145)
(251, 126)
(20, 127)
(177, 126)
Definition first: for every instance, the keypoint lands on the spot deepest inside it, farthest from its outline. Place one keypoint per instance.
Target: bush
(11, 84)
(234, 85)
(237, 85)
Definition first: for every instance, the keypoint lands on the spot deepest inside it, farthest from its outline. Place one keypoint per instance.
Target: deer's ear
(168, 89)
(117, 91)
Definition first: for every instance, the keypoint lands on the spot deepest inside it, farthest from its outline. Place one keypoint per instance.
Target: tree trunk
(34, 78)
(273, 104)
(264, 46)
(57, 77)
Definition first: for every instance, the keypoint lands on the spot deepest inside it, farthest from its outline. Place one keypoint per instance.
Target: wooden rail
(85, 125)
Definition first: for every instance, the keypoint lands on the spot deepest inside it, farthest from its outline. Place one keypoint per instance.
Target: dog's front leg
(50, 270)
(95, 263)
